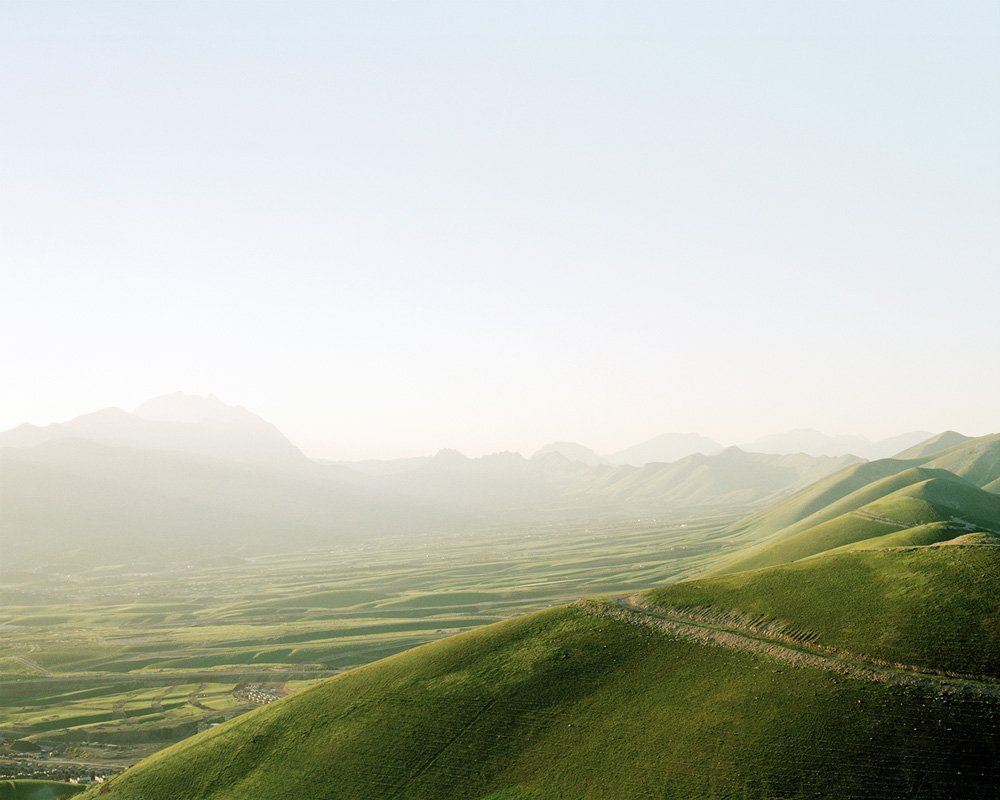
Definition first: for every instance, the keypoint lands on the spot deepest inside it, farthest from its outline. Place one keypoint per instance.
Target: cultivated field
(141, 655)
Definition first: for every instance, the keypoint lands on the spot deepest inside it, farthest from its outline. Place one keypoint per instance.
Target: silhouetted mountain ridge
(185, 423)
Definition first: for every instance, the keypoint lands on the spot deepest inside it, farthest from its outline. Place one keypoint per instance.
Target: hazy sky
(390, 228)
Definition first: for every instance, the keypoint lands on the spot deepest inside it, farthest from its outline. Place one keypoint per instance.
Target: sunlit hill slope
(574, 703)
(865, 674)
(890, 502)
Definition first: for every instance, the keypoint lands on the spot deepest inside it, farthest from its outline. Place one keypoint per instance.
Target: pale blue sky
(395, 227)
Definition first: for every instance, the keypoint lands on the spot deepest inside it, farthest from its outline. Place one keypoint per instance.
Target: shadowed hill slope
(568, 703)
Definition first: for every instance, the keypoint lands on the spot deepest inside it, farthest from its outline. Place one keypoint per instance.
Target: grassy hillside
(37, 790)
(932, 510)
(865, 502)
(934, 444)
(936, 607)
(146, 653)
(814, 498)
(570, 704)
(868, 493)
(977, 460)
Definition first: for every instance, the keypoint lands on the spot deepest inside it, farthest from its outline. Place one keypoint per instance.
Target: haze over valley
(183, 475)
(170, 570)
(499, 400)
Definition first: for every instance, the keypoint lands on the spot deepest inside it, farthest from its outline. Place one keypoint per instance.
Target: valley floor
(143, 655)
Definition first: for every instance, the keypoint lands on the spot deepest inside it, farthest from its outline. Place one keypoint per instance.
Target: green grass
(41, 709)
(439, 599)
(332, 599)
(936, 607)
(316, 612)
(562, 704)
(977, 461)
(13, 668)
(37, 790)
(821, 495)
(881, 510)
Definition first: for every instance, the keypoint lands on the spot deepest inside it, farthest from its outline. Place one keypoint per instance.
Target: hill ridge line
(635, 610)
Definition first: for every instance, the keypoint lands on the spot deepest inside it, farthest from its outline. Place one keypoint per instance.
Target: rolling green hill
(820, 495)
(598, 701)
(934, 509)
(855, 654)
(937, 607)
(934, 444)
(890, 502)
(977, 460)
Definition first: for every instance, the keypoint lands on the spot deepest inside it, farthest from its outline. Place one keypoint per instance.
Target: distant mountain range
(178, 422)
(577, 452)
(666, 448)
(814, 443)
(183, 474)
(671, 447)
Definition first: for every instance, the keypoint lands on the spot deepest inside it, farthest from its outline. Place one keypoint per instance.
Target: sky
(395, 227)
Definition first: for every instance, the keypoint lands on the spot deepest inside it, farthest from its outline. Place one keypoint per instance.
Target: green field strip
(237, 618)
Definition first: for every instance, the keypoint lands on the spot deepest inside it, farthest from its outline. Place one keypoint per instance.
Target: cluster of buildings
(25, 760)
(257, 693)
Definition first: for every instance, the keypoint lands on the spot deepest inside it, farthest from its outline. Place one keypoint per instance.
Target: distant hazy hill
(934, 444)
(574, 452)
(82, 503)
(665, 449)
(391, 466)
(204, 426)
(497, 482)
(732, 477)
(812, 442)
(184, 474)
(550, 480)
